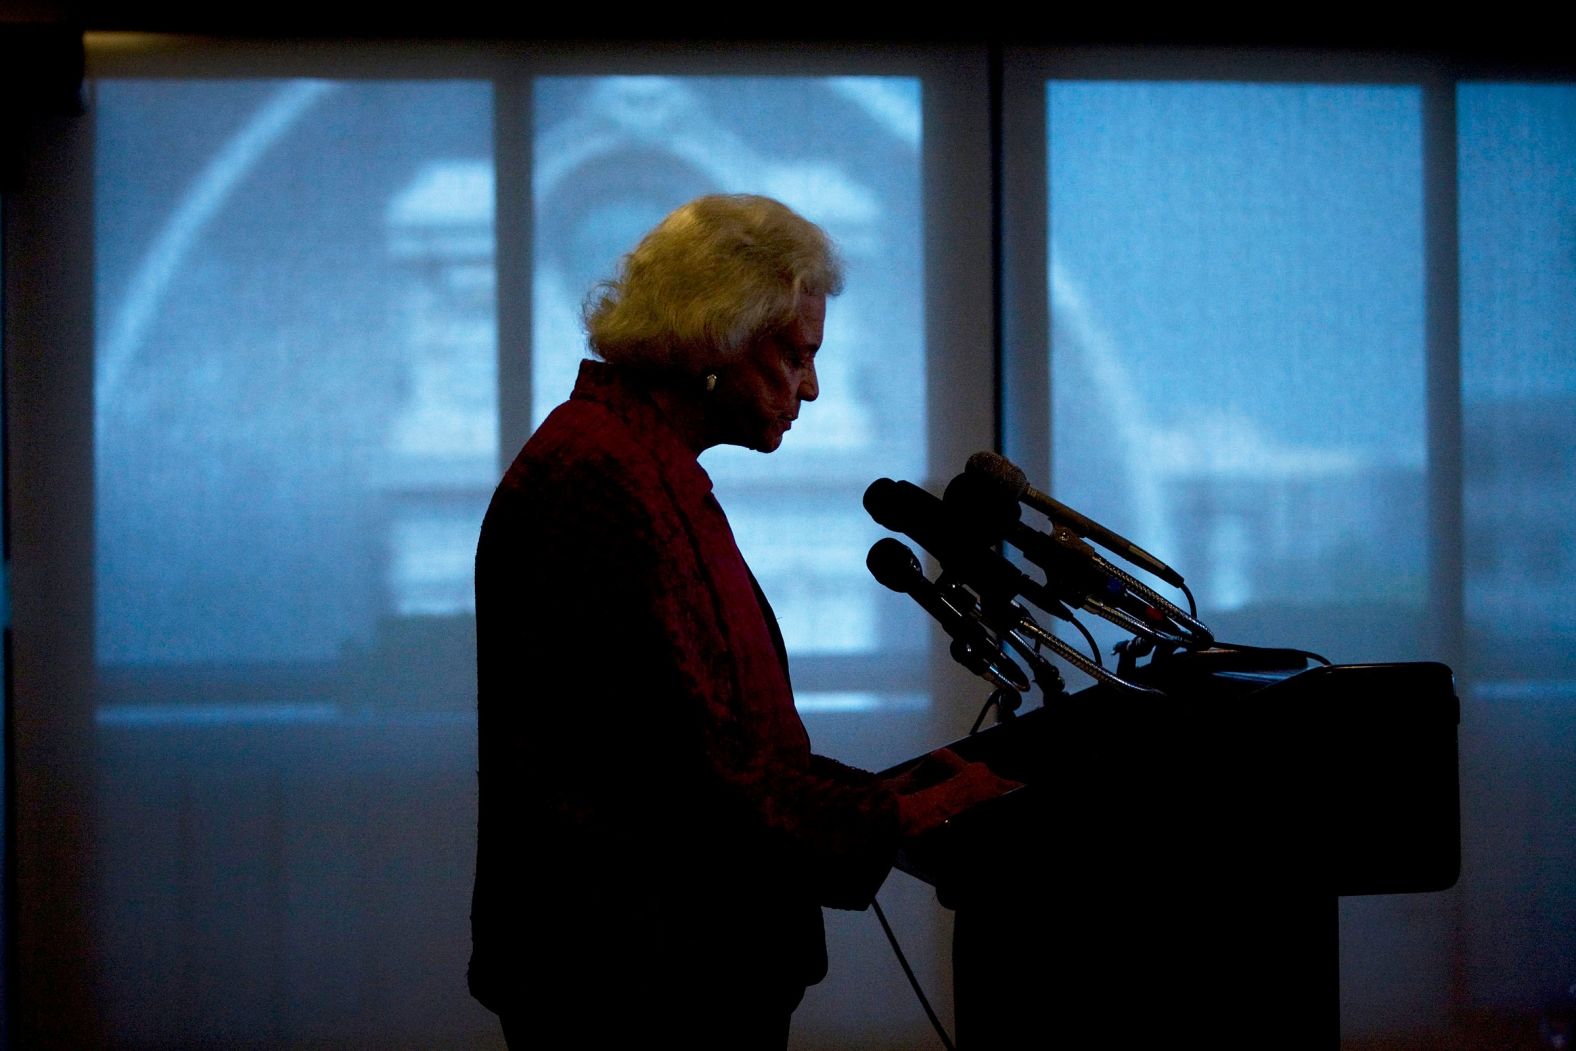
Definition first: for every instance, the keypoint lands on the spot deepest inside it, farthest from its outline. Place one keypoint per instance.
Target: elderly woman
(656, 838)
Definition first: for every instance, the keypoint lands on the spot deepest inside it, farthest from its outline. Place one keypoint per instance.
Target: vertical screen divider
(1025, 311)
(1442, 377)
(514, 218)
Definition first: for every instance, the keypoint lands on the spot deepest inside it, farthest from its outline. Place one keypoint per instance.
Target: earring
(711, 382)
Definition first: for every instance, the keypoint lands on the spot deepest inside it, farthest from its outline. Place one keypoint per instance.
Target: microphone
(895, 567)
(904, 507)
(1072, 568)
(1002, 472)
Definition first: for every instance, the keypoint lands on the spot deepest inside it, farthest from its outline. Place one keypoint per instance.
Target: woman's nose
(809, 386)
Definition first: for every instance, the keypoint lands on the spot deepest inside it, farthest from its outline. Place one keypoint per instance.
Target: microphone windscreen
(900, 506)
(893, 565)
(1000, 471)
(878, 498)
(980, 509)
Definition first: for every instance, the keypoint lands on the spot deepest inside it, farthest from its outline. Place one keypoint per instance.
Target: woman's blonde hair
(716, 274)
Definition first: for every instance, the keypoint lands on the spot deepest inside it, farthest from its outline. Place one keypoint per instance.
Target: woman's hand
(941, 786)
(927, 772)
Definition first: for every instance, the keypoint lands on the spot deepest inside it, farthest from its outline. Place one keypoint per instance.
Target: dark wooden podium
(1170, 869)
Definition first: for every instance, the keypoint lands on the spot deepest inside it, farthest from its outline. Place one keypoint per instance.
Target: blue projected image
(1251, 245)
(1236, 294)
(295, 383)
(1517, 146)
(297, 396)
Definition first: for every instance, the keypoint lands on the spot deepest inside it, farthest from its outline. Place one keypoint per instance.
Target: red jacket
(650, 807)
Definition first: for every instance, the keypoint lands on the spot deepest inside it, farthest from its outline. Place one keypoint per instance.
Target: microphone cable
(913, 980)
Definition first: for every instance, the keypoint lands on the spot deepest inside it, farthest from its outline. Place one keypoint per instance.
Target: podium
(1171, 865)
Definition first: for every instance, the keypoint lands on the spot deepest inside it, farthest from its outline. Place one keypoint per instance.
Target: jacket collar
(622, 393)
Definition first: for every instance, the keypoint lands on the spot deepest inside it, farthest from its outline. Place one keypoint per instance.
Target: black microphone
(1073, 570)
(904, 507)
(895, 567)
(1003, 472)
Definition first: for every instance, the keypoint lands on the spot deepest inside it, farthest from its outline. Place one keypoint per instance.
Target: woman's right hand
(926, 802)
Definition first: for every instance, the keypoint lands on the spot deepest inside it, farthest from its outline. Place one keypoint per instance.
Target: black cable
(1094, 647)
(935, 1022)
(979, 719)
(999, 698)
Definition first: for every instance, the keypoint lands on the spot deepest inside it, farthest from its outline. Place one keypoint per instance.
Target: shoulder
(586, 476)
(580, 438)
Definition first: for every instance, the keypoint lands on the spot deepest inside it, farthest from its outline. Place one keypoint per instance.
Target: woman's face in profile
(757, 397)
